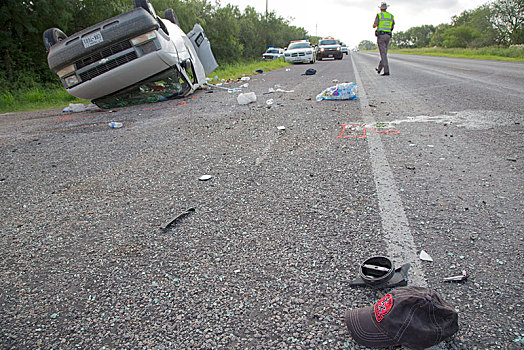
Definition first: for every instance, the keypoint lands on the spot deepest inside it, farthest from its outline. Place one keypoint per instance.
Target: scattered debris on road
(458, 278)
(344, 91)
(425, 256)
(379, 272)
(115, 125)
(171, 222)
(79, 107)
(205, 177)
(248, 97)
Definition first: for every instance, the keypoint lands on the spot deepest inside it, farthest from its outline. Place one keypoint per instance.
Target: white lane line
(400, 244)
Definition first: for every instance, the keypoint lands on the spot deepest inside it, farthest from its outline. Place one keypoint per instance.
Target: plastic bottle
(115, 125)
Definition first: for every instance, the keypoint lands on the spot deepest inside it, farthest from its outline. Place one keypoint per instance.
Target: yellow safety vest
(385, 21)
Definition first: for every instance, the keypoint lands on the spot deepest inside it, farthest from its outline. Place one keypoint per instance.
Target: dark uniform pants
(383, 44)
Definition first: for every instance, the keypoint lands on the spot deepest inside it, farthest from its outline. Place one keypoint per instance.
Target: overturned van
(130, 59)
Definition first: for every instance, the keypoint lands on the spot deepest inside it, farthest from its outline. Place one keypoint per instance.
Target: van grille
(102, 68)
(106, 52)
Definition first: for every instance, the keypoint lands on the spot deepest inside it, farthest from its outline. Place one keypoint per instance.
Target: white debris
(205, 177)
(248, 97)
(425, 256)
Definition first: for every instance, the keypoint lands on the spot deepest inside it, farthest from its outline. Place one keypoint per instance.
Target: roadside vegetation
(491, 31)
(238, 70)
(515, 54)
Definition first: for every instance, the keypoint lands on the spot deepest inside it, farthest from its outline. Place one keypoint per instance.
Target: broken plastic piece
(246, 98)
(281, 127)
(379, 272)
(458, 278)
(205, 177)
(425, 256)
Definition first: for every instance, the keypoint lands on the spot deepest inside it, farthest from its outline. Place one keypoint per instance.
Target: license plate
(330, 55)
(92, 39)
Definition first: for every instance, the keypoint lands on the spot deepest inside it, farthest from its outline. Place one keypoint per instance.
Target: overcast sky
(351, 20)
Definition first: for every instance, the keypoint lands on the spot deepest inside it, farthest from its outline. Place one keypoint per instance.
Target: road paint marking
(458, 68)
(383, 132)
(395, 225)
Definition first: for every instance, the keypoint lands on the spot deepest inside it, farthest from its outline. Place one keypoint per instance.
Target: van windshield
(161, 87)
(328, 42)
(298, 46)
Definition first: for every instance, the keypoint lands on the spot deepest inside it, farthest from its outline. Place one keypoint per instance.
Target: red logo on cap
(383, 306)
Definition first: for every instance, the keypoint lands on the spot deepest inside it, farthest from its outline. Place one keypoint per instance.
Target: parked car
(329, 47)
(133, 58)
(299, 51)
(273, 53)
(344, 49)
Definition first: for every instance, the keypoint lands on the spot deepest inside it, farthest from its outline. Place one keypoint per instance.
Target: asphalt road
(277, 234)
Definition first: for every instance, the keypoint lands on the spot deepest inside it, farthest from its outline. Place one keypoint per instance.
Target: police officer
(384, 22)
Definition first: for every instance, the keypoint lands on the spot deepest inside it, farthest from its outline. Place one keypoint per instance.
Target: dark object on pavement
(415, 317)
(310, 71)
(458, 278)
(379, 272)
(384, 74)
(259, 71)
(171, 222)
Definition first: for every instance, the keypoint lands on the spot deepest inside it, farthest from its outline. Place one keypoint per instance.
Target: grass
(515, 54)
(34, 99)
(40, 98)
(239, 70)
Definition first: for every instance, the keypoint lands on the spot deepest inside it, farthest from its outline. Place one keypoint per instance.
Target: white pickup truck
(133, 58)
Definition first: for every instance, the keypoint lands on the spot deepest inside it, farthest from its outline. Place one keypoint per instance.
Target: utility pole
(266, 10)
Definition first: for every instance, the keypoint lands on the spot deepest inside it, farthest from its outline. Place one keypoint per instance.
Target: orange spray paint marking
(385, 132)
(70, 117)
(183, 103)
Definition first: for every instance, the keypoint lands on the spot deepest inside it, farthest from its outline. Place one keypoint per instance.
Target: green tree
(508, 20)
(22, 53)
(459, 36)
(479, 20)
(367, 45)
(437, 39)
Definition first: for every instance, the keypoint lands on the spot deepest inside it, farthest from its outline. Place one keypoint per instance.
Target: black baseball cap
(415, 317)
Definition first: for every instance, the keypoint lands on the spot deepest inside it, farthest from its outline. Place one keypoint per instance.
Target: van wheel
(170, 15)
(52, 36)
(146, 5)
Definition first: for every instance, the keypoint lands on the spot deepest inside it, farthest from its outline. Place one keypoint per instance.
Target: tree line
(235, 35)
(498, 23)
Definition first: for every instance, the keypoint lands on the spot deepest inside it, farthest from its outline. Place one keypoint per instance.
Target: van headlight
(71, 80)
(65, 71)
(144, 37)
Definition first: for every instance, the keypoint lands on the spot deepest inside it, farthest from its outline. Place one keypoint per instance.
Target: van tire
(170, 15)
(146, 5)
(52, 36)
